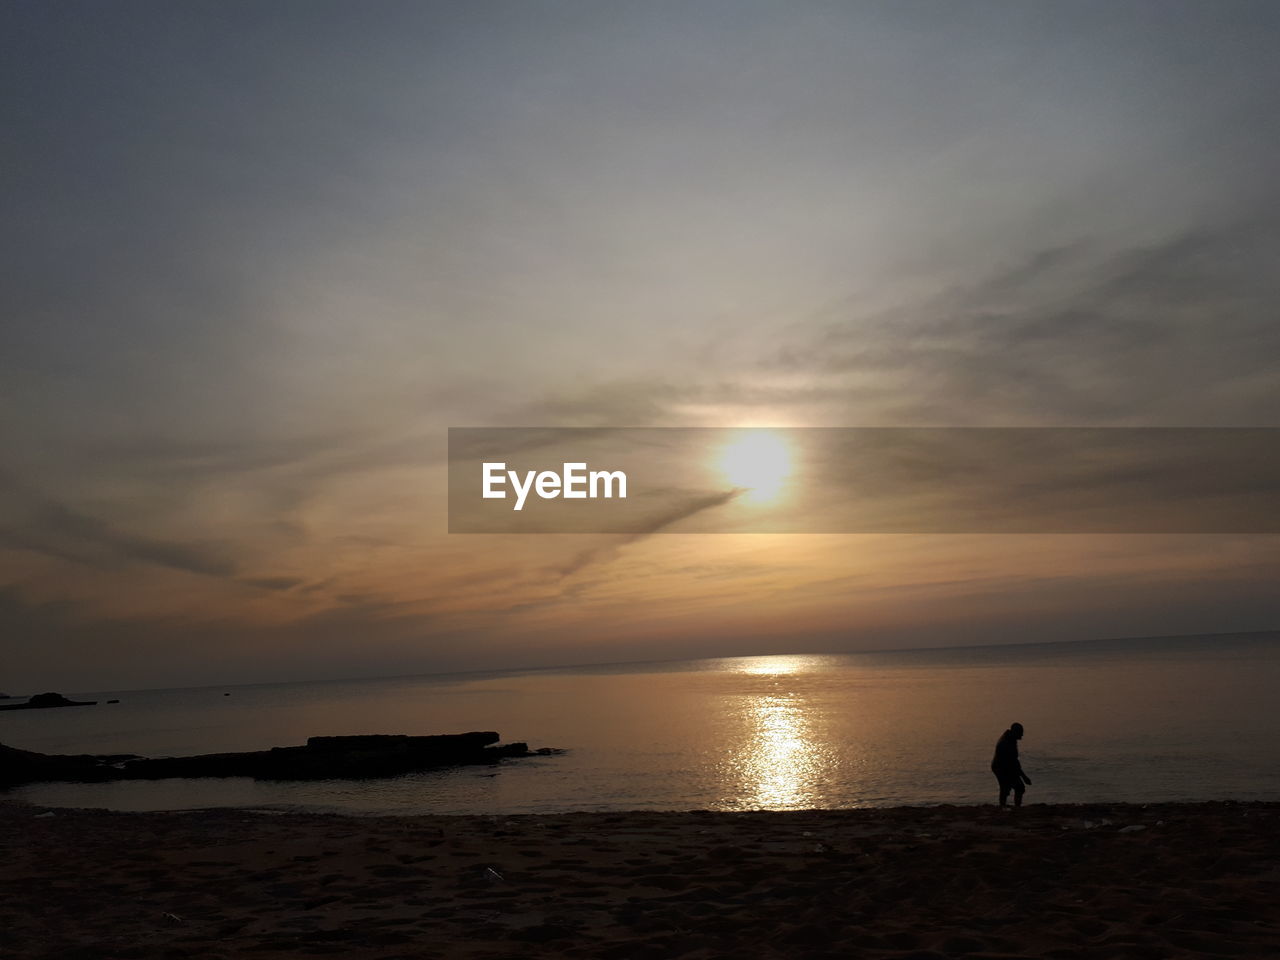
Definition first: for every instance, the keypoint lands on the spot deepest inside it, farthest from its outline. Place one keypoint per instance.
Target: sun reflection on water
(778, 757)
(781, 766)
(775, 665)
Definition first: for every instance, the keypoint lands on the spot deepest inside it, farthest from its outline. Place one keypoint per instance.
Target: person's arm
(1015, 761)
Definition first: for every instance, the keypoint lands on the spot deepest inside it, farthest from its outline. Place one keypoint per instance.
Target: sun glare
(758, 462)
(773, 665)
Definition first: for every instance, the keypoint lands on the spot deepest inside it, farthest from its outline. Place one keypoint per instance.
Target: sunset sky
(259, 257)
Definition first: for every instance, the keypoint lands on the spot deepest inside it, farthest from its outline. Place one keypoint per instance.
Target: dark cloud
(274, 583)
(626, 403)
(1045, 480)
(645, 528)
(57, 530)
(1180, 332)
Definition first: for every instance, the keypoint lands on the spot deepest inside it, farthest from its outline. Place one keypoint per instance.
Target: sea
(1157, 719)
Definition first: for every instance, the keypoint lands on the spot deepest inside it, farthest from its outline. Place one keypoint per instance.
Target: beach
(1061, 881)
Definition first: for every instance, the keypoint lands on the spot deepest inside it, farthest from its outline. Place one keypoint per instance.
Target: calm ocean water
(1181, 719)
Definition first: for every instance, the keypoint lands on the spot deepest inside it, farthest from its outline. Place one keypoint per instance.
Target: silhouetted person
(1007, 768)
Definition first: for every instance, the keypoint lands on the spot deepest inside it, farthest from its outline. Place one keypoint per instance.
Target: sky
(258, 258)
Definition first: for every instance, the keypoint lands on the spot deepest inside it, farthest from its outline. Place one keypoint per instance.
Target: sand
(1164, 880)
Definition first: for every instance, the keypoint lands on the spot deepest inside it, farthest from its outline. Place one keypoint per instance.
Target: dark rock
(321, 758)
(42, 700)
(23, 766)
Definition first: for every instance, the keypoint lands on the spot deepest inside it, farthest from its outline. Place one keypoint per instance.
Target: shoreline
(1062, 881)
(904, 809)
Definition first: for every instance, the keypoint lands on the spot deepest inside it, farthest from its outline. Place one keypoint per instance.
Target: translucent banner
(647, 480)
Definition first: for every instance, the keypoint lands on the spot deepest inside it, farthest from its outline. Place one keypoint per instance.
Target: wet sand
(1164, 880)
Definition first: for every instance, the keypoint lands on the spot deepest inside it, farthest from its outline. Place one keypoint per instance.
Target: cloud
(1178, 331)
(657, 523)
(58, 530)
(274, 583)
(1045, 480)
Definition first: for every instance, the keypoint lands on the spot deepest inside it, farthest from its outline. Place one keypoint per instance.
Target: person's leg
(1004, 792)
(1018, 791)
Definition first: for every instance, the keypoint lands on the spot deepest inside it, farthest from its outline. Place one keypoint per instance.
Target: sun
(757, 462)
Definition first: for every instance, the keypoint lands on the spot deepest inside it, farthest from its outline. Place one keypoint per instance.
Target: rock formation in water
(23, 766)
(321, 758)
(43, 700)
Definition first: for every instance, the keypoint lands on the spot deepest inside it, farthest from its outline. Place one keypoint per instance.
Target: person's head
(1016, 730)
